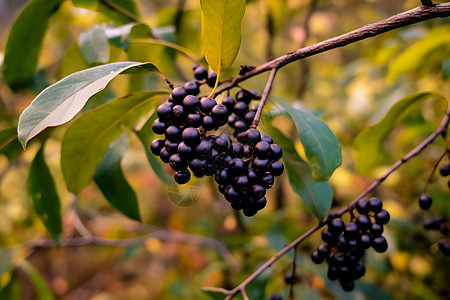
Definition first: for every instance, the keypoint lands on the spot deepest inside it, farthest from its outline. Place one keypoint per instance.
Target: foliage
(342, 118)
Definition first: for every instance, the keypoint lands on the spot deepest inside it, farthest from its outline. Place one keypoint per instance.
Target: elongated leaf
(110, 179)
(316, 195)
(146, 135)
(414, 57)
(25, 42)
(87, 139)
(42, 190)
(12, 289)
(41, 288)
(221, 31)
(367, 147)
(128, 6)
(60, 102)
(94, 45)
(322, 148)
(9, 144)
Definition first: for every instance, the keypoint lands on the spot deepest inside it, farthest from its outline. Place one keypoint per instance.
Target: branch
(418, 14)
(264, 97)
(418, 149)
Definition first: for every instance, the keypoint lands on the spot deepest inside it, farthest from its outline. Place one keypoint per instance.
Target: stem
(264, 97)
(118, 9)
(418, 149)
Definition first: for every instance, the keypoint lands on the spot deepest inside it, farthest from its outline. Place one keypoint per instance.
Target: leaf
(146, 135)
(446, 69)
(128, 6)
(12, 289)
(60, 102)
(41, 289)
(110, 179)
(42, 190)
(221, 31)
(316, 195)
(277, 14)
(322, 147)
(214, 293)
(87, 139)
(9, 144)
(414, 57)
(25, 42)
(94, 45)
(367, 147)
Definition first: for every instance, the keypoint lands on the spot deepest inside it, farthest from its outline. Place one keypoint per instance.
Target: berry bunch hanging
(244, 170)
(345, 244)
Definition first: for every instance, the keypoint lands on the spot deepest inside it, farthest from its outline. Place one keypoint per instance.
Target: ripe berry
(222, 176)
(191, 88)
(212, 77)
(240, 109)
(156, 146)
(185, 151)
(316, 257)
(178, 111)
(445, 170)
(363, 206)
(194, 120)
(172, 147)
(164, 155)
(266, 138)
(159, 127)
(200, 73)
(173, 133)
(178, 95)
(276, 153)
(258, 191)
(164, 112)
(351, 230)
(229, 103)
(177, 163)
(375, 204)
(191, 136)
(276, 297)
(198, 166)
(336, 226)
(329, 238)
(276, 168)
(207, 104)
(237, 166)
(347, 286)
(262, 149)
(208, 123)
(365, 240)
(382, 217)
(249, 211)
(248, 118)
(182, 177)
(363, 222)
(379, 244)
(203, 149)
(219, 112)
(444, 247)
(191, 103)
(267, 181)
(376, 229)
(260, 164)
(259, 203)
(433, 224)
(238, 150)
(324, 250)
(425, 201)
(252, 136)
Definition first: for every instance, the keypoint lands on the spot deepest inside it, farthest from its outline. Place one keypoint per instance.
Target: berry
(156, 146)
(240, 109)
(266, 138)
(207, 104)
(211, 80)
(276, 153)
(262, 149)
(375, 204)
(382, 217)
(194, 120)
(164, 112)
(425, 201)
(444, 247)
(276, 168)
(363, 222)
(363, 206)
(182, 177)
(191, 103)
(336, 226)
(351, 230)
(276, 297)
(316, 257)
(191, 136)
(252, 136)
(208, 123)
(376, 229)
(178, 111)
(159, 127)
(347, 286)
(219, 112)
(237, 166)
(177, 163)
(200, 73)
(249, 211)
(238, 150)
(379, 244)
(185, 151)
(433, 224)
(229, 103)
(173, 133)
(164, 155)
(191, 88)
(445, 170)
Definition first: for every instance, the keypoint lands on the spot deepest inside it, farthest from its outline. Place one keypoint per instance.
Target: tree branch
(118, 9)
(264, 97)
(418, 14)
(417, 150)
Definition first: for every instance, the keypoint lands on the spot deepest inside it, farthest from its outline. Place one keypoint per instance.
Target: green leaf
(9, 144)
(414, 57)
(221, 31)
(25, 42)
(41, 288)
(316, 195)
(87, 139)
(94, 45)
(128, 6)
(277, 14)
(367, 147)
(60, 102)
(446, 69)
(12, 289)
(42, 190)
(322, 147)
(110, 179)
(146, 135)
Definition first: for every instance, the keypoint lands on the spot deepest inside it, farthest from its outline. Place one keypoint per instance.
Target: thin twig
(120, 10)
(293, 276)
(264, 97)
(418, 149)
(418, 14)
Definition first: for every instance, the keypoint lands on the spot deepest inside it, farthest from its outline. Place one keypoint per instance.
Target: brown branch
(120, 10)
(416, 151)
(264, 97)
(418, 14)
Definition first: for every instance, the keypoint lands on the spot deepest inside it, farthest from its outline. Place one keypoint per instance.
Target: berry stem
(216, 84)
(264, 97)
(430, 178)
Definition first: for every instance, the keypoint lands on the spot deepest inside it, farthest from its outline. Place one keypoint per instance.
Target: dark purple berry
(316, 257)
(159, 127)
(156, 146)
(182, 177)
(252, 136)
(382, 217)
(379, 244)
(200, 73)
(229, 103)
(266, 138)
(164, 112)
(276, 153)
(363, 222)
(191, 103)
(363, 206)
(376, 229)
(336, 226)
(240, 109)
(219, 112)
(444, 247)
(351, 230)
(262, 149)
(445, 170)
(173, 133)
(276, 168)
(185, 151)
(375, 204)
(194, 120)
(178, 111)
(178, 95)
(164, 155)
(211, 80)
(208, 123)
(425, 201)
(177, 163)
(191, 136)
(191, 88)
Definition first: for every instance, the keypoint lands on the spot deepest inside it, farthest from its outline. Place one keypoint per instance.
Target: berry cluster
(243, 170)
(440, 224)
(345, 244)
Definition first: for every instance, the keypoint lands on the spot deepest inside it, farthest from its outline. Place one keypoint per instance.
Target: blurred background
(190, 237)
